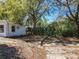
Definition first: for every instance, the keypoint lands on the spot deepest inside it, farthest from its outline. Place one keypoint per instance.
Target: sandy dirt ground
(33, 50)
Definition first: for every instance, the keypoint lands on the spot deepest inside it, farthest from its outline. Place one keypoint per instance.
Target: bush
(61, 28)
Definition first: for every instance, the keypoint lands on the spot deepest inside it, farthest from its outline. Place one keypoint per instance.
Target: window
(13, 28)
(1, 28)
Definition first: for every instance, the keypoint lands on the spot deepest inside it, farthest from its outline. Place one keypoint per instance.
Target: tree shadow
(28, 38)
(52, 39)
(7, 52)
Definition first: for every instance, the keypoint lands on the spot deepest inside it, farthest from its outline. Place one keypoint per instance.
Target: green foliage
(13, 10)
(57, 28)
(64, 28)
(42, 22)
(35, 10)
(16, 10)
(41, 28)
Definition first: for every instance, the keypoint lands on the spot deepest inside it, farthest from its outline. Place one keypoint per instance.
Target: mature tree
(13, 10)
(36, 9)
(16, 10)
(72, 10)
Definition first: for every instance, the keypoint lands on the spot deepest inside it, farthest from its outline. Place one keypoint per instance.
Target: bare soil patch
(24, 48)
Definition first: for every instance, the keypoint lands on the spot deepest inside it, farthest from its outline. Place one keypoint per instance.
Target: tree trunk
(78, 30)
(77, 20)
(77, 24)
(34, 27)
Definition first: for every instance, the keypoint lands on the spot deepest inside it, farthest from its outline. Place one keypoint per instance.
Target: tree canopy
(36, 9)
(71, 8)
(13, 10)
(16, 10)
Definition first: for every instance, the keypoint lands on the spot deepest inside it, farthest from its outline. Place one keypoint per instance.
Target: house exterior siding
(19, 30)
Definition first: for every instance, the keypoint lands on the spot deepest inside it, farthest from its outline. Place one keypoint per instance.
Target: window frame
(1, 28)
(13, 29)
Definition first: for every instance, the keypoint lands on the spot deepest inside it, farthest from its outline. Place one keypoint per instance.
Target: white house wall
(7, 29)
(18, 31)
(2, 22)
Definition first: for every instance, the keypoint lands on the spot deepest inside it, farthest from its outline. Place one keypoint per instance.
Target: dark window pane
(1, 28)
(13, 28)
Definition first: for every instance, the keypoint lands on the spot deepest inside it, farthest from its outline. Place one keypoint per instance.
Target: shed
(8, 29)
